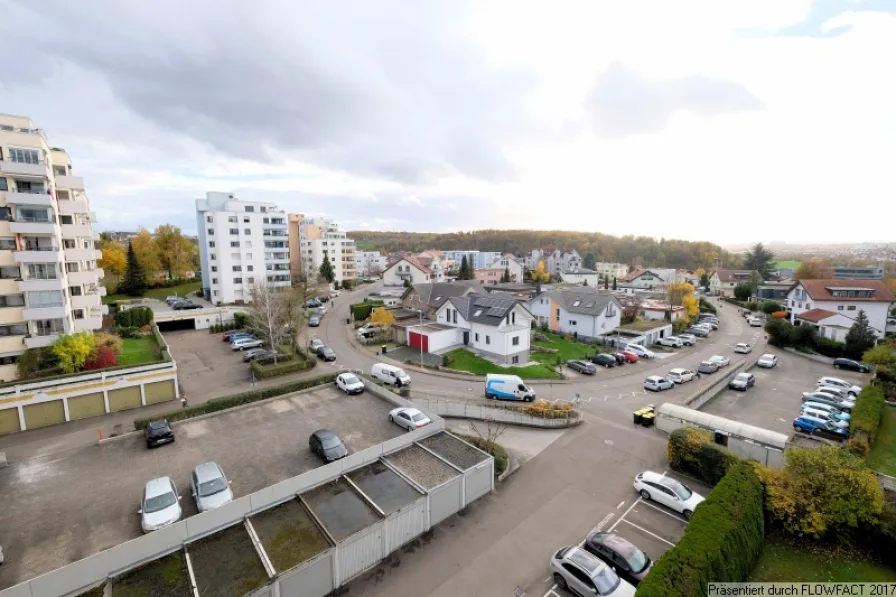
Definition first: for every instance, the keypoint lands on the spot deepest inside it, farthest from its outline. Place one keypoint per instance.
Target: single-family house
(435, 261)
(655, 310)
(587, 312)
(407, 268)
(723, 281)
(832, 305)
(643, 278)
(429, 297)
(582, 276)
(495, 271)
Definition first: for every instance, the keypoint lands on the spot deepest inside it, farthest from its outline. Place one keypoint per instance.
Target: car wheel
(645, 494)
(687, 514)
(560, 581)
(489, 396)
(796, 428)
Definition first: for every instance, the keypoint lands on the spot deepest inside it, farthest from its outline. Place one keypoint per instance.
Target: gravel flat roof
(340, 509)
(384, 486)
(454, 450)
(289, 535)
(421, 466)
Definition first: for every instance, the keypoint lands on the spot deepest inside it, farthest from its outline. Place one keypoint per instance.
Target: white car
(334, 293)
(767, 361)
(743, 348)
(705, 326)
(838, 392)
(640, 351)
(688, 339)
(349, 383)
(719, 360)
(409, 418)
(754, 322)
(160, 505)
(577, 571)
(244, 343)
(670, 341)
(655, 383)
(836, 382)
(668, 492)
(681, 375)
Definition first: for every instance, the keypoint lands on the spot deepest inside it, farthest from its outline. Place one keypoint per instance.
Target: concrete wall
(469, 410)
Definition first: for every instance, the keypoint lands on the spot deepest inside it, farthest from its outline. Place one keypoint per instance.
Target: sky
(721, 120)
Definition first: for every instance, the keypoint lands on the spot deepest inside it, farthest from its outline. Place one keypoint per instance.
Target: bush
(102, 358)
(693, 451)
(721, 542)
(770, 307)
(881, 538)
(780, 314)
(715, 461)
(113, 342)
(742, 292)
(240, 319)
(829, 348)
(134, 317)
(867, 413)
(228, 402)
(169, 283)
(285, 365)
(547, 410)
(127, 332)
(707, 307)
(362, 310)
(220, 328)
(751, 306)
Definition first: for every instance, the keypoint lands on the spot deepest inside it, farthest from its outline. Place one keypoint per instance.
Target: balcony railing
(34, 219)
(31, 191)
(273, 233)
(28, 247)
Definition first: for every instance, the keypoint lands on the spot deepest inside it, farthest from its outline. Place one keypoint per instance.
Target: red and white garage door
(417, 340)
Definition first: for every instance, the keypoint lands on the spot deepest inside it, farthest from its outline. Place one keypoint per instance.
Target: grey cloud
(624, 103)
(389, 89)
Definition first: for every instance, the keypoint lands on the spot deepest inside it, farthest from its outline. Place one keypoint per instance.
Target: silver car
(160, 505)
(210, 487)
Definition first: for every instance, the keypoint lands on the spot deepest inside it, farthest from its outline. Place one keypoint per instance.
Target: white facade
(611, 270)
(508, 342)
(561, 320)
(582, 276)
(241, 244)
(799, 301)
(648, 279)
(370, 263)
(403, 270)
(477, 259)
(319, 237)
(509, 262)
(49, 279)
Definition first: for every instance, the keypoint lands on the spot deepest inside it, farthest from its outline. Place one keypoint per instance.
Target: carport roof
(731, 427)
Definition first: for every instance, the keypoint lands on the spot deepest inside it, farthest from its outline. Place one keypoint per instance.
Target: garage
(44, 414)
(159, 391)
(88, 405)
(419, 341)
(124, 398)
(433, 337)
(9, 420)
(187, 323)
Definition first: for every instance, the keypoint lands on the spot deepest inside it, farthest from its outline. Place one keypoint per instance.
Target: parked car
(582, 367)
(349, 383)
(367, 331)
(814, 426)
(210, 487)
(230, 336)
(668, 492)
(322, 310)
(808, 411)
(170, 300)
(851, 365)
(712, 323)
(314, 321)
(708, 367)
(836, 392)
(655, 383)
(839, 383)
(312, 304)
(754, 322)
(844, 405)
(326, 353)
(335, 293)
(699, 332)
(157, 433)
(160, 505)
(630, 357)
(257, 354)
(185, 305)
(835, 412)
(315, 344)
(720, 360)
(679, 375)
(576, 570)
(620, 357)
(705, 327)
(687, 339)
(245, 343)
(604, 360)
(409, 418)
(392, 375)
(327, 445)
(767, 361)
(640, 351)
(742, 382)
(670, 341)
(629, 562)
(743, 348)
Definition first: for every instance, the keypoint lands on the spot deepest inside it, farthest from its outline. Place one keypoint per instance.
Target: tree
(861, 337)
(607, 282)
(699, 273)
(102, 358)
(73, 350)
(540, 275)
(381, 317)
(505, 277)
(176, 253)
(590, 261)
(630, 308)
(585, 282)
(676, 292)
(759, 259)
(742, 292)
(814, 269)
(134, 282)
(704, 280)
(275, 315)
(691, 305)
(464, 269)
(614, 282)
(147, 253)
(326, 270)
(114, 260)
(880, 355)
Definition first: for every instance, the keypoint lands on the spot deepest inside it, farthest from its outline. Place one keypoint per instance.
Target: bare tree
(275, 314)
(490, 432)
(631, 306)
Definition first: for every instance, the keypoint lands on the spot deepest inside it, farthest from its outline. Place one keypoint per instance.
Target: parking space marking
(663, 511)
(622, 503)
(654, 535)
(624, 514)
(552, 593)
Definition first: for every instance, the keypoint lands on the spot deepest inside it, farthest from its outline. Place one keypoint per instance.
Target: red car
(629, 357)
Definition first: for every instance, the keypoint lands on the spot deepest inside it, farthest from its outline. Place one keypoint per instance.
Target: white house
(656, 310)
(587, 312)
(832, 305)
(611, 270)
(643, 278)
(406, 268)
(723, 281)
(583, 276)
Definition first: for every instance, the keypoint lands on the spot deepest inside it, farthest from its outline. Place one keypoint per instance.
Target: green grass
(644, 325)
(787, 264)
(783, 560)
(883, 453)
(566, 349)
(464, 360)
(139, 351)
(157, 293)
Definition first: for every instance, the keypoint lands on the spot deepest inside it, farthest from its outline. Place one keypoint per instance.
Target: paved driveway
(206, 364)
(68, 505)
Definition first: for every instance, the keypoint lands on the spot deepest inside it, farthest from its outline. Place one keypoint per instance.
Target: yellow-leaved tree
(677, 291)
(114, 260)
(73, 350)
(691, 305)
(381, 317)
(539, 274)
(147, 253)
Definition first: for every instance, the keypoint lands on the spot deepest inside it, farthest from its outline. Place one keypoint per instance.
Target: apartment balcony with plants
(44, 332)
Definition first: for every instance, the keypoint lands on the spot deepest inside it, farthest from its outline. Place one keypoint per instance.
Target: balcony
(84, 277)
(76, 231)
(32, 226)
(82, 254)
(86, 301)
(45, 312)
(70, 182)
(38, 254)
(29, 198)
(22, 169)
(274, 233)
(11, 343)
(88, 324)
(35, 284)
(72, 207)
(41, 341)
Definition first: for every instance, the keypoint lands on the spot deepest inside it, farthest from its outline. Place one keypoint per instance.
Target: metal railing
(39, 248)
(31, 191)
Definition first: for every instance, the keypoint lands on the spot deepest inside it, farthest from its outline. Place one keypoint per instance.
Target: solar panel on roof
(496, 311)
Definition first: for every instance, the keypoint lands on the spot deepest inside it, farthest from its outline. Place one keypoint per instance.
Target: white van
(390, 374)
(507, 387)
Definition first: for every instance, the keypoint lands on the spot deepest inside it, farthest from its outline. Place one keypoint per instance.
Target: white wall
(579, 278)
(876, 312)
(391, 278)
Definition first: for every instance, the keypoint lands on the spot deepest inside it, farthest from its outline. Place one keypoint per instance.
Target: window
(24, 156)
(572, 322)
(44, 299)
(214, 268)
(12, 300)
(476, 337)
(265, 220)
(248, 244)
(237, 280)
(48, 327)
(515, 341)
(10, 272)
(250, 208)
(3, 185)
(215, 292)
(249, 268)
(851, 308)
(488, 339)
(245, 219)
(477, 313)
(5, 214)
(214, 280)
(250, 280)
(208, 219)
(42, 271)
(454, 315)
(68, 243)
(211, 231)
(72, 267)
(9, 359)
(839, 307)
(577, 303)
(557, 315)
(78, 313)
(8, 244)
(211, 244)
(14, 329)
(234, 243)
(231, 219)
(237, 268)
(212, 256)
(247, 231)
(75, 291)
(234, 231)
(513, 317)
(515, 360)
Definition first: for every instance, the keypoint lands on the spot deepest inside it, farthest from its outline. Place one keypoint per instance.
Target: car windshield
(349, 379)
(159, 503)
(418, 417)
(680, 490)
(606, 581)
(330, 442)
(637, 561)
(742, 377)
(212, 487)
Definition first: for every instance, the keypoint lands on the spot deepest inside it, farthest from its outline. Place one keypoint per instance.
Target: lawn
(566, 349)
(883, 454)
(157, 293)
(787, 264)
(464, 360)
(139, 351)
(783, 560)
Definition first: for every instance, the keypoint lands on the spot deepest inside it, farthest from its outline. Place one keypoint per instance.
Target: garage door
(88, 405)
(124, 398)
(9, 420)
(418, 341)
(159, 391)
(44, 414)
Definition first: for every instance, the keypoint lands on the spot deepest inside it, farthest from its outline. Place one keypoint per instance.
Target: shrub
(693, 451)
(742, 292)
(102, 358)
(362, 310)
(228, 402)
(715, 461)
(867, 413)
(240, 319)
(829, 348)
(721, 542)
(780, 314)
(881, 538)
(496, 450)
(110, 341)
(134, 317)
(127, 332)
(751, 306)
(35, 361)
(771, 307)
(73, 350)
(707, 307)
(285, 365)
(547, 410)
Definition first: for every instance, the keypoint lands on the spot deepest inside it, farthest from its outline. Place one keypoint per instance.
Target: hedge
(362, 310)
(867, 413)
(285, 365)
(496, 450)
(707, 307)
(135, 317)
(721, 542)
(881, 539)
(693, 451)
(234, 400)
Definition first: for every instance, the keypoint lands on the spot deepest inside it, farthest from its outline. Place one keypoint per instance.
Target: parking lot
(774, 401)
(66, 506)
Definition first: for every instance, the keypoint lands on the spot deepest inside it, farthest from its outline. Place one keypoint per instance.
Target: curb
(513, 465)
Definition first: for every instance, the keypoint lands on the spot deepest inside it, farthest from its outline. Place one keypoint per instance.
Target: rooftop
(645, 325)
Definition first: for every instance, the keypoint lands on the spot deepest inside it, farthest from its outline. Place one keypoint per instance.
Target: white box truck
(507, 387)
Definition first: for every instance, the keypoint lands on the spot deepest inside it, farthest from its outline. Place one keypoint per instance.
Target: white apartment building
(319, 237)
(49, 280)
(370, 263)
(241, 244)
(607, 269)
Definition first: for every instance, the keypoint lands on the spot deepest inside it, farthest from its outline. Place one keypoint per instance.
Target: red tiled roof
(413, 261)
(634, 274)
(815, 315)
(818, 290)
(733, 275)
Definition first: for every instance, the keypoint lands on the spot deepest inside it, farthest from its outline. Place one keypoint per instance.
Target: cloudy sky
(724, 120)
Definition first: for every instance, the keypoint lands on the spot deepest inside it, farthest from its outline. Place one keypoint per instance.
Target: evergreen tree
(134, 282)
(859, 338)
(585, 282)
(505, 277)
(607, 282)
(614, 282)
(462, 273)
(326, 270)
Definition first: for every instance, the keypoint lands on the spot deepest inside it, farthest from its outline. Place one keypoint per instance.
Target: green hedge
(362, 310)
(721, 543)
(134, 317)
(707, 307)
(285, 365)
(228, 402)
(867, 413)
(692, 451)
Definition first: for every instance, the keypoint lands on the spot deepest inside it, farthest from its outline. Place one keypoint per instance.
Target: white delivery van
(390, 374)
(507, 387)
